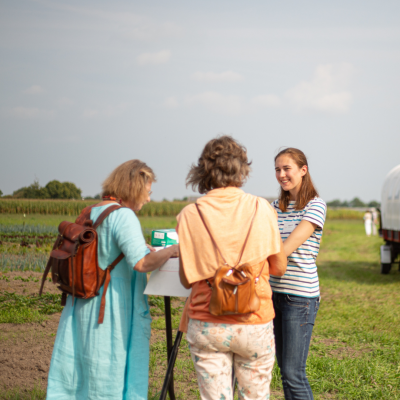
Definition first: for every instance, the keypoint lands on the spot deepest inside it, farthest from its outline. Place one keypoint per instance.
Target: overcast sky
(87, 85)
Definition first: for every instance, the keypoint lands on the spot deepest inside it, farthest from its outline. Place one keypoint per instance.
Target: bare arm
(299, 235)
(278, 262)
(182, 276)
(153, 260)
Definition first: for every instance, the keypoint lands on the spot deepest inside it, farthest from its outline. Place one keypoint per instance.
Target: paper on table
(165, 281)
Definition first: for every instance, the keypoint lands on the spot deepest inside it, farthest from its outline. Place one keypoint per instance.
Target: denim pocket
(297, 301)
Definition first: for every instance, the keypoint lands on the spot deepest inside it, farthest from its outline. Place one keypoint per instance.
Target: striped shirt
(301, 277)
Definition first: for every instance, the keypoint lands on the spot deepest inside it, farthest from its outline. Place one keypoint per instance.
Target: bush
(53, 190)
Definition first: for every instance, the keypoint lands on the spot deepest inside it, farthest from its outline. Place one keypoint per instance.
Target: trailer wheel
(385, 268)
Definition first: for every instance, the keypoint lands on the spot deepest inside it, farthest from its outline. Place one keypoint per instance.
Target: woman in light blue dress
(109, 361)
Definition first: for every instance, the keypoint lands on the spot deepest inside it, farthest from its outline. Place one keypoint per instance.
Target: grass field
(355, 350)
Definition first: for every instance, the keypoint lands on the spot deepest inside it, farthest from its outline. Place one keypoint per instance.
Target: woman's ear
(303, 170)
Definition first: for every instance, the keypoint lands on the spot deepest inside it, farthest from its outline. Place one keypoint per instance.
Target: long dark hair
(307, 188)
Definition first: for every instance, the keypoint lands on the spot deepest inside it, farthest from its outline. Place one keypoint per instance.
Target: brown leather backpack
(233, 288)
(73, 260)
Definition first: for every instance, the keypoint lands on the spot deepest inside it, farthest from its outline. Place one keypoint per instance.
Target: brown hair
(307, 190)
(222, 163)
(128, 181)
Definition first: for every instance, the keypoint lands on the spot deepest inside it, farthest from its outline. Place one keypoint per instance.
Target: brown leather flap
(60, 255)
(73, 232)
(235, 283)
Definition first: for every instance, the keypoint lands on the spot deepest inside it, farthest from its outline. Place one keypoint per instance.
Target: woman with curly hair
(242, 342)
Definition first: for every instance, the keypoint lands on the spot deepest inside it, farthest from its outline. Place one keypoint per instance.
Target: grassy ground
(355, 353)
(355, 350)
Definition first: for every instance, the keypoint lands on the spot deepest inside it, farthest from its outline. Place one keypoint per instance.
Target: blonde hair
(128, 181)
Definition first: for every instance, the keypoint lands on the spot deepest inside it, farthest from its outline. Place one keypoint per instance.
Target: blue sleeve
(316, 213)
(127, 232)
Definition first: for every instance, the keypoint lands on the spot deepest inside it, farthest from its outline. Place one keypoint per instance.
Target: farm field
(354, 354)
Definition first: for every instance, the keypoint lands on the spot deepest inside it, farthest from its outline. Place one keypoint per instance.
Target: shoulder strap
(214, 242)
(105, 214)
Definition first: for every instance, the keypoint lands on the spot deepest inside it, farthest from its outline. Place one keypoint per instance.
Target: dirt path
(25, 353)
(25, 349)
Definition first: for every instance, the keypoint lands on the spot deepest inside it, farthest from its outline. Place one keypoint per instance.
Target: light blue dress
(111, 360)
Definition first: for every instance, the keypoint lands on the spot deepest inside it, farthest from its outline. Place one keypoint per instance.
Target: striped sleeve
(316, 213)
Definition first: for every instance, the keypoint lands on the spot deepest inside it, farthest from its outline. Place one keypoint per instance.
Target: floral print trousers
(216, 348)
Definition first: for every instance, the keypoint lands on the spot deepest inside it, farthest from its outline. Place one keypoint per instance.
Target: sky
(87, 85)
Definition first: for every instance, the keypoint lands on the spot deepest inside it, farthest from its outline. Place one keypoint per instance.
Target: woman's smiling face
(289, 175)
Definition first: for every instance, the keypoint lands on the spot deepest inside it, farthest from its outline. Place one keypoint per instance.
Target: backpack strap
(215, 244)
(48, 266)
(105, 214)
(243, 248)
(106, 282)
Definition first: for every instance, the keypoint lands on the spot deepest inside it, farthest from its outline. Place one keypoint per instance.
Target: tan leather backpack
(233, 288)
(73, 260)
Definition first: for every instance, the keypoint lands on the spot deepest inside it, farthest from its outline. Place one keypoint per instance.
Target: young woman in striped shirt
(296, 296)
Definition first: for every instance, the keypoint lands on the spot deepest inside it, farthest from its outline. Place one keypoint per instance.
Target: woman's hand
(155, 259)
(151, 248)
(182, 276)
(175, 248)
(299, 235)
(278, 262)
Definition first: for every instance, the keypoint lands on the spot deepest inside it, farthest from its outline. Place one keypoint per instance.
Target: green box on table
(164, 237)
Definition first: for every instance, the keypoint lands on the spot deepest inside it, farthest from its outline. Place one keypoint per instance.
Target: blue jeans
(293, 325)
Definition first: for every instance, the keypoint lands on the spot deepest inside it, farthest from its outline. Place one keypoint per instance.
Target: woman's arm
(278, 262)
(153, 260)
(299, 235)
(182, 276)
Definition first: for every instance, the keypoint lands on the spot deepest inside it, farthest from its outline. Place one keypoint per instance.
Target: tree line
(53, 190)
(356, 202)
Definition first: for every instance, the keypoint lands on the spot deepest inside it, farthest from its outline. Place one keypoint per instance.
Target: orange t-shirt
(227, 213)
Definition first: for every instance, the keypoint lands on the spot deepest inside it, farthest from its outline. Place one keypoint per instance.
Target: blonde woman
(111, 360)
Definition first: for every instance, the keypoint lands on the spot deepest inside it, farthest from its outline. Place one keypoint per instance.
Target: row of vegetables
(75, 207)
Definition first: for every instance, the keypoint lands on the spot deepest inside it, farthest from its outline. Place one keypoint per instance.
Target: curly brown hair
(222, 163)
(128, 181)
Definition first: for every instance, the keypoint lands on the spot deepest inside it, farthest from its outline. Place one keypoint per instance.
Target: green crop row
(75, 207)
(344, 213)
(28, 262)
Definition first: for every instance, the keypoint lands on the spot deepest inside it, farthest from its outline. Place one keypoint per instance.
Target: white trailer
(390, 219)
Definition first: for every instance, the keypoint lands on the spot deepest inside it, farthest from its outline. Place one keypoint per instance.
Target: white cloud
(35, 89)
(267, 100)
(227, 76)
(154, 58)
(29, 113)
(327, 91)
(171, 102)
(218, 102)
(90, 113)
